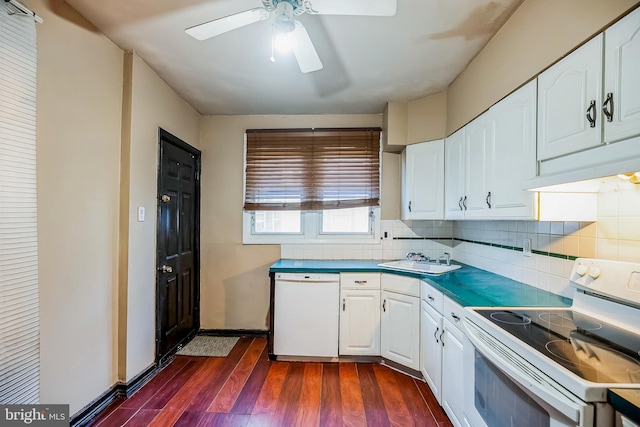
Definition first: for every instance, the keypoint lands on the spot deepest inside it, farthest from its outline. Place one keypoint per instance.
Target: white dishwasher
(306, 312)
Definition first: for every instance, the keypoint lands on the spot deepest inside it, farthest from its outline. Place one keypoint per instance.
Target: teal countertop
(468, 286)
(627, 402)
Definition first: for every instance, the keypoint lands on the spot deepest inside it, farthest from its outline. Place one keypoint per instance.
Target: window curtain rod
(24, 10)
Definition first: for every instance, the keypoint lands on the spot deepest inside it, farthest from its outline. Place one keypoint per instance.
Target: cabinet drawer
(359, 280)
(454, 312)
(401, 284)
(431, 296)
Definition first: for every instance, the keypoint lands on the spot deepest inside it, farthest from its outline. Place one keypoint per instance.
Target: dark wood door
(177, 290)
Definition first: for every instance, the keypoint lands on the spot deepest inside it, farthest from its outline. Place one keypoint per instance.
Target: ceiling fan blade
(355, 7)
(228, 23)
(304, 51)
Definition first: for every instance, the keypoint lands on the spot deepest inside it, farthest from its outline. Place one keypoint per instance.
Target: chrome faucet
(447, 258)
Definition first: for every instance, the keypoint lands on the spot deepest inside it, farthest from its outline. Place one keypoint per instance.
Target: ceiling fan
(285, 25)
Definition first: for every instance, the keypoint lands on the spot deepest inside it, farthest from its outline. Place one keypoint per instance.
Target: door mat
(208, 346)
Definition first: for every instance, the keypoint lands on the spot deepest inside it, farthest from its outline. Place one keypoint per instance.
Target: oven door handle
(522, 373)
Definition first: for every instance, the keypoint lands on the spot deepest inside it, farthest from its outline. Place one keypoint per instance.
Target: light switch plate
(526, 247)
(141, 213)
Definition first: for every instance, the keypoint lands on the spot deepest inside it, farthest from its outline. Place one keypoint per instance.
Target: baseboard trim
(120, 389)
(403, 369)
(234, 332)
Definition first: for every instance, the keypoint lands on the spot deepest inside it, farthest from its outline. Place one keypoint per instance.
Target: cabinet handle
(591, 114)
(409, 205)
(435, 334)
(430, 298)
(441, 337)
(455, 316)
(464, 203)
(608, 111)
(384, 305)
(488, 199)
(460, 203)
(343, 304)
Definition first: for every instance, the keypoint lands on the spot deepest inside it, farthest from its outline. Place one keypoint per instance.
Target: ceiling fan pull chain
(273, 35)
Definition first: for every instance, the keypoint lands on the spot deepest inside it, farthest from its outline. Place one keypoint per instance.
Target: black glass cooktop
(590, 348)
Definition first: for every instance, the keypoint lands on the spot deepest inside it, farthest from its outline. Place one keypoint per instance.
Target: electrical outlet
(526, 247)
(386, 234)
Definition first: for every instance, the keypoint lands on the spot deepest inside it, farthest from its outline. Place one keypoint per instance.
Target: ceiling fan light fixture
(284, 22)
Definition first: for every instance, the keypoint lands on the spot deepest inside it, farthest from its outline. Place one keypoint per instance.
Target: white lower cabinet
(400, 320)
(452, 378)
(359, 314)
(431, 348)
(441, 345)
(360, 322)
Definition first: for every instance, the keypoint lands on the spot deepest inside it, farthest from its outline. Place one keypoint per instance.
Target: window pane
(277, 222)
(354, 220)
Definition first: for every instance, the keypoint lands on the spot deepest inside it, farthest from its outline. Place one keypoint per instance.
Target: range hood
(602, 161)
(578, 201)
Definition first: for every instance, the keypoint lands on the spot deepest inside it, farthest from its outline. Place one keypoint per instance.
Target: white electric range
(535, 367)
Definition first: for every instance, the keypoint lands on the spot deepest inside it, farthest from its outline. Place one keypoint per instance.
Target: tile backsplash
(496, 246)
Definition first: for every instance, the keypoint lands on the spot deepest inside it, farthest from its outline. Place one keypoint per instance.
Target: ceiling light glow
(282, 42)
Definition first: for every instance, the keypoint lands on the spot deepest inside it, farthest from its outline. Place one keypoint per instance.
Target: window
(311, 185)
(340, 221)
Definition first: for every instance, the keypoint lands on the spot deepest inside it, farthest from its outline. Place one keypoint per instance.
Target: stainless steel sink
(425, 267)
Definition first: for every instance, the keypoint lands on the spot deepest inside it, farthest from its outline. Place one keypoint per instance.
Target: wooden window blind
(19, 322)
(312, 169)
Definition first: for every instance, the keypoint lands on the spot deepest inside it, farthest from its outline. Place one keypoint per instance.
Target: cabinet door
(512, 155)
(431, 348)
(568, 92)
(424, 181)
(454, 170)
(400, 329)
(360, 322)
(452, 378)
(477, 138)
(621, 82)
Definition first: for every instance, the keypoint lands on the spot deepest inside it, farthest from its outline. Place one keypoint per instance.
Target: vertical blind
(312, 169)
(19, 324)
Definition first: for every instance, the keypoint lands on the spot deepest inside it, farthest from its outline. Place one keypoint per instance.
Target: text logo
(34, 415)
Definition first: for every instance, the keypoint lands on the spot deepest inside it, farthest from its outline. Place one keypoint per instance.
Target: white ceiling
(368, 61)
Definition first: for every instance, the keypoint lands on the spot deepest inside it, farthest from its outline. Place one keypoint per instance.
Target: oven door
(505, 390)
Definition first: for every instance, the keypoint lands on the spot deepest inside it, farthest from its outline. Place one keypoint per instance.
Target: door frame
(165, 136)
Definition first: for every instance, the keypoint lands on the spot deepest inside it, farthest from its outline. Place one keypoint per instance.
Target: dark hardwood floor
(246, 389)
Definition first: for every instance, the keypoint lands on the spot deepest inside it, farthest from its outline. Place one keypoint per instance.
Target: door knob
(166, 269)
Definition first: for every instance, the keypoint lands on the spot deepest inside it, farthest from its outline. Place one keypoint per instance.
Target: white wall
(78, 159)
(154, 105)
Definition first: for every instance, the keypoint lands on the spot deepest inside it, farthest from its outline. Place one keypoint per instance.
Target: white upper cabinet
(454, 169)
(423, 181)
(621, 102)
(569, 100)
(589, 108)
(466, 187)
(488, 161)
(477, 140)
(512, 155)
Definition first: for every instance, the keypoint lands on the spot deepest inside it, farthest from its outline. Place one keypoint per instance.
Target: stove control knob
(581, 270)
(594, 272)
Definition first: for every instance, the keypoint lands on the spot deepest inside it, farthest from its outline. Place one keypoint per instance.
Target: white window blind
(19, 324)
